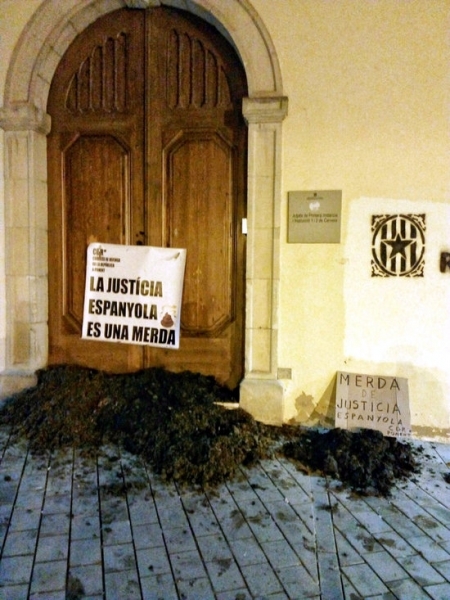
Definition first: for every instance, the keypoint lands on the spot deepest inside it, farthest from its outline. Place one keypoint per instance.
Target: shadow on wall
(320, 414)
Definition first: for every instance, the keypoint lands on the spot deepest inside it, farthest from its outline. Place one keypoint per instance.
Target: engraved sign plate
(314, 217)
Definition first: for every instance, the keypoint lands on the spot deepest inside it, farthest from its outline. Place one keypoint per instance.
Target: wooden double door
(148, 146)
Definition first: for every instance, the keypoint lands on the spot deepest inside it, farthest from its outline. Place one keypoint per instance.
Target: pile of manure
(365, 461)
(173, 421)
(169, 419)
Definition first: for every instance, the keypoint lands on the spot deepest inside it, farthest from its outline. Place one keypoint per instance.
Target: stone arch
(23, 116)
(52, 28)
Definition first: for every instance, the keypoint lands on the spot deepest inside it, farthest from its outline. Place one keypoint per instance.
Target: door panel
(148, 145)
(203, 226)
(95, 167)
(95, 175)
(196, 194)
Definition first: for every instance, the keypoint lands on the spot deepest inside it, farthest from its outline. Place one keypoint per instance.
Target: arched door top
(49, 33)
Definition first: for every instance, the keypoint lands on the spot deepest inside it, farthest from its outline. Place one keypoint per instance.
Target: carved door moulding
(52, 29)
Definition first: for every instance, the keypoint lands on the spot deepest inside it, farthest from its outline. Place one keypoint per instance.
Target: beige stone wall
(369, 98)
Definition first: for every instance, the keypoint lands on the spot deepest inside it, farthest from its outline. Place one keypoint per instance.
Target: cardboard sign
(373, 402)
(133, 294)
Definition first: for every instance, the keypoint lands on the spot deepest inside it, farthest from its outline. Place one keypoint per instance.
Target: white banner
(133, 294)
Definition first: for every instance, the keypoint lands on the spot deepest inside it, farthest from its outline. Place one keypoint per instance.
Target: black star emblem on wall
(398, 245)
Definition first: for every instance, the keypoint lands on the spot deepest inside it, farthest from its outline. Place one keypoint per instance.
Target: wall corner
(264, 399)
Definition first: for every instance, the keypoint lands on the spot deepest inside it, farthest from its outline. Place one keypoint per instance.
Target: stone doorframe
(23, 117)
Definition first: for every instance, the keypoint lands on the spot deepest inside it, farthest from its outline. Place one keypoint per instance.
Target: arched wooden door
(148, 146)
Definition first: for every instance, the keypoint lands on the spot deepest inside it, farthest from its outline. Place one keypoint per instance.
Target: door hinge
(244, 226)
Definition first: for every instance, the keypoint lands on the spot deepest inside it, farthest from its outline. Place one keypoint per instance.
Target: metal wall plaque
(314, 217)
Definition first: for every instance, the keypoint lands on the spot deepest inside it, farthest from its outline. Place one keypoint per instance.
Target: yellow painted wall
(13, 16)
(12, 22)
(369, 107)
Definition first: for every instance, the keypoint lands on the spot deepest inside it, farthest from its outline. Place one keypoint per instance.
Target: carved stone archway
(25, 122)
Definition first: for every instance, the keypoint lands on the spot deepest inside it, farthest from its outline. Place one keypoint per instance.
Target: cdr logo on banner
(133, 294)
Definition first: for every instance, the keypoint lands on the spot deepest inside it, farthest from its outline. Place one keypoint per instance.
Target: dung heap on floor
(170, 419)
(365, 461)
(173, 421)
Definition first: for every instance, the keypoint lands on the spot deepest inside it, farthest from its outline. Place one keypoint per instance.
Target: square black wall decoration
(398, 245)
